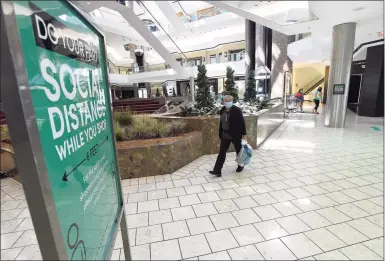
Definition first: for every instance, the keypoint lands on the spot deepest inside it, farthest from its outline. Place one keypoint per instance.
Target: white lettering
(44, 64)
(52, 33)
(56, 133)
(66, 69)
(40, 21)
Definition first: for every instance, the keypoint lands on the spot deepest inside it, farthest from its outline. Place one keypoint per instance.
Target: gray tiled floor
(309, 193)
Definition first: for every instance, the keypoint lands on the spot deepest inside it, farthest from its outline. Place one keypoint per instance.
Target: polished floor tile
(310, 193)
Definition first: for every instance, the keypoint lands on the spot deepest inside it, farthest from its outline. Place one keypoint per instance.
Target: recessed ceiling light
(358, 8)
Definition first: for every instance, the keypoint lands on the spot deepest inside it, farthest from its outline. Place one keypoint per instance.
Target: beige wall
(303, 74)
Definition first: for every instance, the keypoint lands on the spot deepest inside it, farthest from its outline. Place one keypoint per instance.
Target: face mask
(228, 104)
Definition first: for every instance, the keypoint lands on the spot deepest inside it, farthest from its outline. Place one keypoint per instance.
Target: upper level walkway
(310, 192)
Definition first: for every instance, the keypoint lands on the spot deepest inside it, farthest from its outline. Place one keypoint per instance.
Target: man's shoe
(239, 169)
(218, 174)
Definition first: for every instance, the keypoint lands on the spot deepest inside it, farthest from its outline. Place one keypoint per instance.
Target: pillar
(339, 74)
(192, 88)
(250, 37)
(268, 47)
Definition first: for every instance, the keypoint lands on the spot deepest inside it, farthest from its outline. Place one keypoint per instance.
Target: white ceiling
(189, 6)
(317, 17)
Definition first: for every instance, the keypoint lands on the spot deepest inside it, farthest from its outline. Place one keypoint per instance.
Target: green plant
(204, 99)
(157, 92)
(124, 118)
(188, 112)
(264, 105)
(230, 88)
(251, 89)
(173, 92)
(146, 127)
(119, 132)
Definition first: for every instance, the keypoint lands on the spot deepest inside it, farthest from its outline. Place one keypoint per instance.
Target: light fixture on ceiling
(358, 8)
(291, 21)
(147, 21)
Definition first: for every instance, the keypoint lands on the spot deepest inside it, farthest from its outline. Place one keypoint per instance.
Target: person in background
(220, 97)
(317, 99)
(232, 129)
(300, 97)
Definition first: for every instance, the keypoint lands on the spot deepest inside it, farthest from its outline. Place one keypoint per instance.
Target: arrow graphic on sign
(65, 176)
(106, 139)
(65, 173)
(375, 128)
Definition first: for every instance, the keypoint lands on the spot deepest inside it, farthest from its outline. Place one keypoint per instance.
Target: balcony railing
(210, 12)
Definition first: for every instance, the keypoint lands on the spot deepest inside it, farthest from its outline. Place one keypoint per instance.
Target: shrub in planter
(230, 88)
(124, 118)
(157, 92)
(204, 100)
(145, 127)
(251, 88)
(119, 132)
(187, 111)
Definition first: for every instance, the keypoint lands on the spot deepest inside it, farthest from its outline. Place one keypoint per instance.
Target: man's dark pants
(225, 144)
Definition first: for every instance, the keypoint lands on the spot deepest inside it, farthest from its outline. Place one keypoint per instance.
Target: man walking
(232, 129)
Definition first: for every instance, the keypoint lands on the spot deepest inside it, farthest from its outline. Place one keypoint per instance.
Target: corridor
(310, 193)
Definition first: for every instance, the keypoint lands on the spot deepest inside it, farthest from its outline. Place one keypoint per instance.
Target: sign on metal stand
(56, 96)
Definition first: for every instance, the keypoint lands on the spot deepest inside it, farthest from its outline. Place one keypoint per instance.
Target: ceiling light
(358, 8)
(291, 21)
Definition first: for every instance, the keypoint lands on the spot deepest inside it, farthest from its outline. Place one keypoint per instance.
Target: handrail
(162, 29)
(185, 13)
(312, 85)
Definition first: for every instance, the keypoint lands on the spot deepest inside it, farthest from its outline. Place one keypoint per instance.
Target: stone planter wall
(258, 127)
(142, 158)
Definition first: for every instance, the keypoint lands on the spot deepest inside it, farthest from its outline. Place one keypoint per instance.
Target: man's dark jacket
(237, 127)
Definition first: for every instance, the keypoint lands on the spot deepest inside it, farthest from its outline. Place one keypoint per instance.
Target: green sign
(339, 89)
(65, 64)
(376, 128)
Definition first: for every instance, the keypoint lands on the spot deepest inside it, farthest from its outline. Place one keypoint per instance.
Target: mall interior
(313, 189)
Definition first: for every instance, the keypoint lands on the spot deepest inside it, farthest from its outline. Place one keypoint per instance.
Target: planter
(142, 158)
(258, 127)
(7, 158)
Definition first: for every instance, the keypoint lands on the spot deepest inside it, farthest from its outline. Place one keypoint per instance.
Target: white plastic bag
(244, 156)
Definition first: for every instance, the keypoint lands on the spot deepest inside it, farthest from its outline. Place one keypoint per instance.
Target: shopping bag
(244, 156)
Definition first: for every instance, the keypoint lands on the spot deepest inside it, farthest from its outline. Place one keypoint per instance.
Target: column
(192, 88)
(250, 38)
(339, 74)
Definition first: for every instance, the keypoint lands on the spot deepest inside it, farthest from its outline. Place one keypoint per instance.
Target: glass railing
(210, 12)
(151, 68)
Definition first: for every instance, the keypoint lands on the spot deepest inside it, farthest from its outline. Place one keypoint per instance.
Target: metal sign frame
(17, 105)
